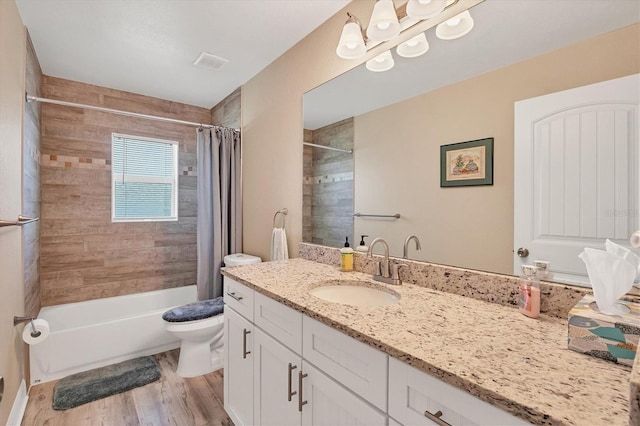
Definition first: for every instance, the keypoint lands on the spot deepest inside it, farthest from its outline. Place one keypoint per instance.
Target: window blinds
(144, 179)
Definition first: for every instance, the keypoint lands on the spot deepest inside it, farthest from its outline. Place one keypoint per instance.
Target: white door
(328, 403)
(238, 368)
(275, 387)
(576, 174)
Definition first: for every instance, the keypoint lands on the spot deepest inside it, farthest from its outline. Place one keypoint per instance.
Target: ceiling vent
(207, 60)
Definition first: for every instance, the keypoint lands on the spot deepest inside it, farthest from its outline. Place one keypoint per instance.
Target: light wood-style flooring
(172, 400)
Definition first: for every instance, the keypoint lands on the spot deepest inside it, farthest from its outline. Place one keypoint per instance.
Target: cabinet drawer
(280, 321)
(354, 364)
(239, 297)
(413, 392)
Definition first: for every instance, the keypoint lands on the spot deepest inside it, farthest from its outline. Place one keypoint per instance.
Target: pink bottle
(529, 286)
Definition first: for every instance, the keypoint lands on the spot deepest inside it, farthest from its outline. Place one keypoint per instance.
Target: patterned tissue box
(610, 337)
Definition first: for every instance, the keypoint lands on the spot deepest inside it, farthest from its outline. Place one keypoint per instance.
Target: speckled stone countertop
(492, 351)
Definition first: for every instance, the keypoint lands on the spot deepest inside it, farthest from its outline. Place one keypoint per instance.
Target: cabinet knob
(522, 252)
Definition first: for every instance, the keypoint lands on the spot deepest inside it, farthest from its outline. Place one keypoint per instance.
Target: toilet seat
(195, 311)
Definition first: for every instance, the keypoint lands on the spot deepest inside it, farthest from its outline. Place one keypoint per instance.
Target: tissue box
(613, 338)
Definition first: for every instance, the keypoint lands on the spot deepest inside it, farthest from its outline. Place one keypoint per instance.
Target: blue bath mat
(91, 385)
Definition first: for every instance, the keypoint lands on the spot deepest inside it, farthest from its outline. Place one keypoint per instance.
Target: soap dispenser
(529, 287)
(362, 247)
(346, 257)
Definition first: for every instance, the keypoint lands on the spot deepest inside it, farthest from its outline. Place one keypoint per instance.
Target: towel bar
(22, 220)
(395, 216)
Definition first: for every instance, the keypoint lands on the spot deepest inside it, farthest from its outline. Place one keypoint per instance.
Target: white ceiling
(148, 46)
(505, 32)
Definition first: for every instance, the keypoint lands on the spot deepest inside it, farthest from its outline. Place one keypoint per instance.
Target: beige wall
(83, 254)
(467, 226)
(272, 131)
(12, 85)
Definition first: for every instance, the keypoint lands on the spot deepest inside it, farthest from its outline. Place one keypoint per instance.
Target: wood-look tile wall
(328, 186)
(227, 112)
(31, 185)
(83, 255)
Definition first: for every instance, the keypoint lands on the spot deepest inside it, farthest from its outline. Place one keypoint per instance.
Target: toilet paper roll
(42, 326)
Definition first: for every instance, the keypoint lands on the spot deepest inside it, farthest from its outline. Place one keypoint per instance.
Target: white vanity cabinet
(285, 368)
(417, 398)
(238, 367)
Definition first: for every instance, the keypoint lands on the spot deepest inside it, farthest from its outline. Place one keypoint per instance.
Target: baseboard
(19, 406)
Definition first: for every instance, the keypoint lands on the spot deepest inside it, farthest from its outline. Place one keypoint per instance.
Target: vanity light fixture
(455, 27)
(382, 62)
(425, 9)
(351, 44)
(385, 26)
(413, 47)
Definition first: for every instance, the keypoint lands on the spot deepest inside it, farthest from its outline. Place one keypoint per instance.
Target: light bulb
(379, 59)
(383, 25)
(351, 46)
(412, 43)
(424, 1)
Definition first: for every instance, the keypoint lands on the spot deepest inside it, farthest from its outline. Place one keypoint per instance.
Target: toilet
(200, 328)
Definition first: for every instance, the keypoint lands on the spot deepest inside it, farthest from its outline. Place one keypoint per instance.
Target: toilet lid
(195, 311)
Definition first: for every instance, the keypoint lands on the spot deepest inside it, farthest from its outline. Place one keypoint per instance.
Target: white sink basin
(355, 293)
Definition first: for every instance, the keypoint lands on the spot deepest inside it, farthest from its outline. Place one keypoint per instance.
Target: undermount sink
(355, 293)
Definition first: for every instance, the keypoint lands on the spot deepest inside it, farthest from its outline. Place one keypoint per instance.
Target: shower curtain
(219, 205)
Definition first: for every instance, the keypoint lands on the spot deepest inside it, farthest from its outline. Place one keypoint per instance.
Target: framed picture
(467, 163)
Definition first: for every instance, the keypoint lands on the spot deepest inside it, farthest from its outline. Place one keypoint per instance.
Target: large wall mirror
(461, 90)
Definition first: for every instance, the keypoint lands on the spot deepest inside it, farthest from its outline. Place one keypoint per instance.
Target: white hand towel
(279, 250)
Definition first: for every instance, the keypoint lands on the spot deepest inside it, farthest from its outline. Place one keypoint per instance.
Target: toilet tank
(238, 259)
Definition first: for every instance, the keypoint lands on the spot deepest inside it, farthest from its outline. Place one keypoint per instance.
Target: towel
(279, 250)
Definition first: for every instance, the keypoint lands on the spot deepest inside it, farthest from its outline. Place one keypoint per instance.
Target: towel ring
(284, 212)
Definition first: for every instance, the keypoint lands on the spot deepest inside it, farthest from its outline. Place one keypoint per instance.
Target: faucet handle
(396, 270)
(377, 268)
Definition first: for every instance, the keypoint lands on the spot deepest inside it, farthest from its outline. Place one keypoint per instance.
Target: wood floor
(172, 400)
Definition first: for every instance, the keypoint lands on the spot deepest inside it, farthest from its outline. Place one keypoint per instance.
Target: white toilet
(200, 328)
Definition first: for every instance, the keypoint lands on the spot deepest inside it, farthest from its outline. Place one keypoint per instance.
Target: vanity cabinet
(238, 367)
(285, 368)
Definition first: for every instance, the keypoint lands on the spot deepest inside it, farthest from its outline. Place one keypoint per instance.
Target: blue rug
(91, 385)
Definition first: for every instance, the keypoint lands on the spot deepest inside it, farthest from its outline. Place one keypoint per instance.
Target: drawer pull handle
(245, 352)
(233, 295)
(436, 418)
(290, 393)
(300, 401)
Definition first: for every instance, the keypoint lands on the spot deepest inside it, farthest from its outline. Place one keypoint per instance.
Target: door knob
(522, 252)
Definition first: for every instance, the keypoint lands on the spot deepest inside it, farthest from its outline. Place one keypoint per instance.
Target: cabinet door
(327, 403)
(275, 398)
(238, 368)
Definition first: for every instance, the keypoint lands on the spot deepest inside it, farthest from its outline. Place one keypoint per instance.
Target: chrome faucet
(382, 270)
(405, 251)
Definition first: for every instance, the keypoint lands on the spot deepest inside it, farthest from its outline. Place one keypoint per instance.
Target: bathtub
(95, 333)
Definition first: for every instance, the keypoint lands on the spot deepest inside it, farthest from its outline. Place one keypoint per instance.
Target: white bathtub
(100, 332)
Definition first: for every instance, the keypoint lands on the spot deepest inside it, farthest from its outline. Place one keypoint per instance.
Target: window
(144, 177)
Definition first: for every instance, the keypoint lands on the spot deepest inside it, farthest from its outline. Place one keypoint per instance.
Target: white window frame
(138, 178)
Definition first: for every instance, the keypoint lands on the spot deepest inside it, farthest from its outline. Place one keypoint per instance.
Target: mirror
(460, 90)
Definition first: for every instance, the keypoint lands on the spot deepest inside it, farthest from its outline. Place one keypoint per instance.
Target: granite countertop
(519, 364)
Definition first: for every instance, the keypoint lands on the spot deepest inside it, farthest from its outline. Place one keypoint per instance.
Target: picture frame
(467, 163)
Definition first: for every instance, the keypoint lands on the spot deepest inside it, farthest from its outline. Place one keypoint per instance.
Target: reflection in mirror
(459, 91)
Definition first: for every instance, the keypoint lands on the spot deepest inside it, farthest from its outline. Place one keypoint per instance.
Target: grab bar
(395, 216)
(284, 212)
(22, 220)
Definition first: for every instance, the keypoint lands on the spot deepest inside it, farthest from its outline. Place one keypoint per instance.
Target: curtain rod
(30, 98)
(315, 145)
